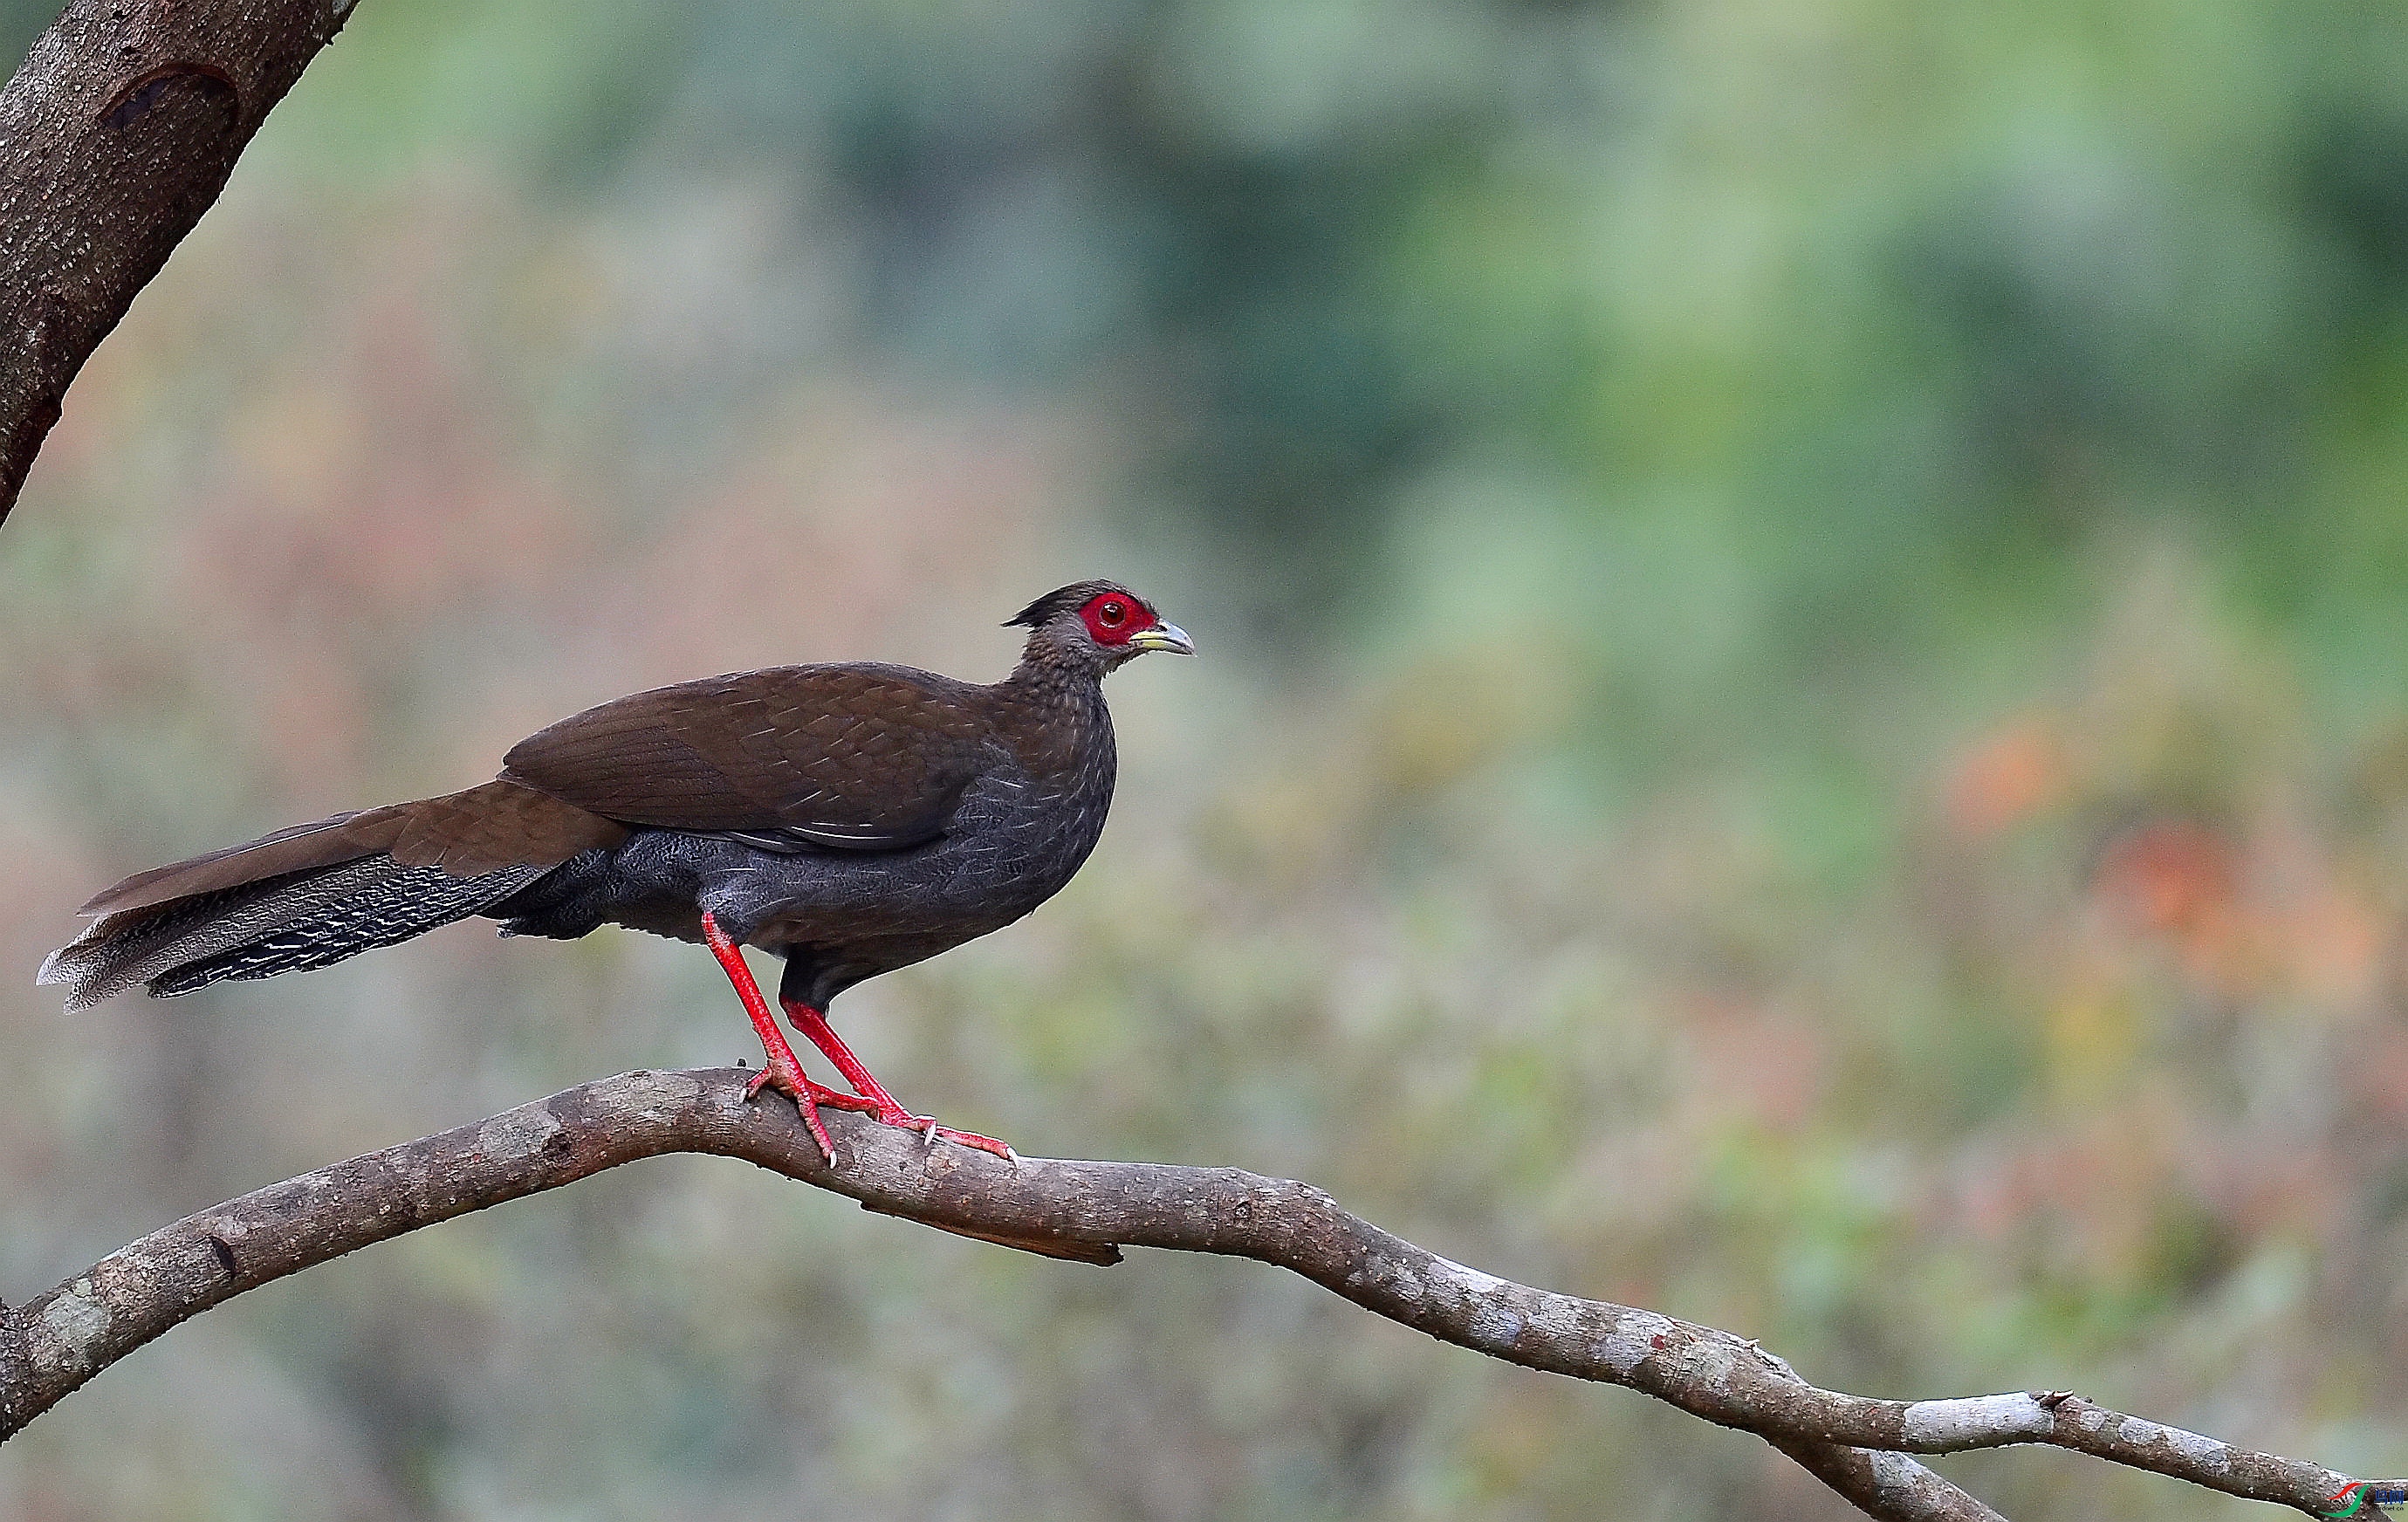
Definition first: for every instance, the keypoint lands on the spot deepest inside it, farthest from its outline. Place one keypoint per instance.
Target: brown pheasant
(851, 819)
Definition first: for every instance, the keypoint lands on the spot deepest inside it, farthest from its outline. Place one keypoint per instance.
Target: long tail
(316, 893)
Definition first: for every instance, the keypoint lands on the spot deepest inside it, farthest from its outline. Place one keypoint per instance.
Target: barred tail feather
(284, 924)
(320, 892)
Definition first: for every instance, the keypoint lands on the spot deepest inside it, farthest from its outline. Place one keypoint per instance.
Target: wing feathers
(857, 758)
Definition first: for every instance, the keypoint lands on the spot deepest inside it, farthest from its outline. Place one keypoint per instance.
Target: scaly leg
(812, 1023)
(780, 1070)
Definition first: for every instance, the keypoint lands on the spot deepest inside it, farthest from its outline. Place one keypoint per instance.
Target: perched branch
(1087, 1210)
(115, 136)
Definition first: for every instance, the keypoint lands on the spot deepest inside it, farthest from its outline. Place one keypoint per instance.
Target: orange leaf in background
(2172, 876)
(2012, 774)
(2179, 880)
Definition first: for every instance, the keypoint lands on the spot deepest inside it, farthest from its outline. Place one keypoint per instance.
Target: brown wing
(861, 757)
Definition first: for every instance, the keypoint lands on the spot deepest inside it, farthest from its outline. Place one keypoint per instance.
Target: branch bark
(115, 136)
(1857, 1445)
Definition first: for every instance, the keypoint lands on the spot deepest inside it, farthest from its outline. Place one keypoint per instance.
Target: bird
(850, 818)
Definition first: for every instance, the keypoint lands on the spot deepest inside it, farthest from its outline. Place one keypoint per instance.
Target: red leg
(812, 1023)
(780, 1070)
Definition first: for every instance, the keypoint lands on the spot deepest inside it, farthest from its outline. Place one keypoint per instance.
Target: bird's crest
(1068, 599)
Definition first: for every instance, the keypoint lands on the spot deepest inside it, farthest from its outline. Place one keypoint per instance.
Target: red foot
(783, 1076)
(883, 1108)
(780, 1070)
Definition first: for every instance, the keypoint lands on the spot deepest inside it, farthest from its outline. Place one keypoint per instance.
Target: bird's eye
(1112, 615)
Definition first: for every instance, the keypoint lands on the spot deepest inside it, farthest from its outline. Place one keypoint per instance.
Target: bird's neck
(1058, 705)
(1041, 683)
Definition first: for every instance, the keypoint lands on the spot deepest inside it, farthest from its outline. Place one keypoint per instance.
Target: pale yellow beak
(1170, 636)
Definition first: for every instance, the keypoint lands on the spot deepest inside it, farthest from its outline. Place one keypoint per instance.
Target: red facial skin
(1112, 617)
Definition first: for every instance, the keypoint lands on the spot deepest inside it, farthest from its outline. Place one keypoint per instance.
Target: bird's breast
(1022, 831)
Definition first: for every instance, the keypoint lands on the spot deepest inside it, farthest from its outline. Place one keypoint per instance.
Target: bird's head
(1099, 625)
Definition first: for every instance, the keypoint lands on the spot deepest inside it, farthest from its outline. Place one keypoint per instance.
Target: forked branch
(1081, 1209)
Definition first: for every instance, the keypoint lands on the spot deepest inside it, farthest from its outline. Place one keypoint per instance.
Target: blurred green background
(1803, 723)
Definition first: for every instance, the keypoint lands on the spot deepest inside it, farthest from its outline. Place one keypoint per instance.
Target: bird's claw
(984, 1144)
(797, 1085)
(931, 1131)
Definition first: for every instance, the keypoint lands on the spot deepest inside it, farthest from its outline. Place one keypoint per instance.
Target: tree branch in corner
(115, 136)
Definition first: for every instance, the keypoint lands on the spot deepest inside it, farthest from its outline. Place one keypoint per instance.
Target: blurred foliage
(1803, 726)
